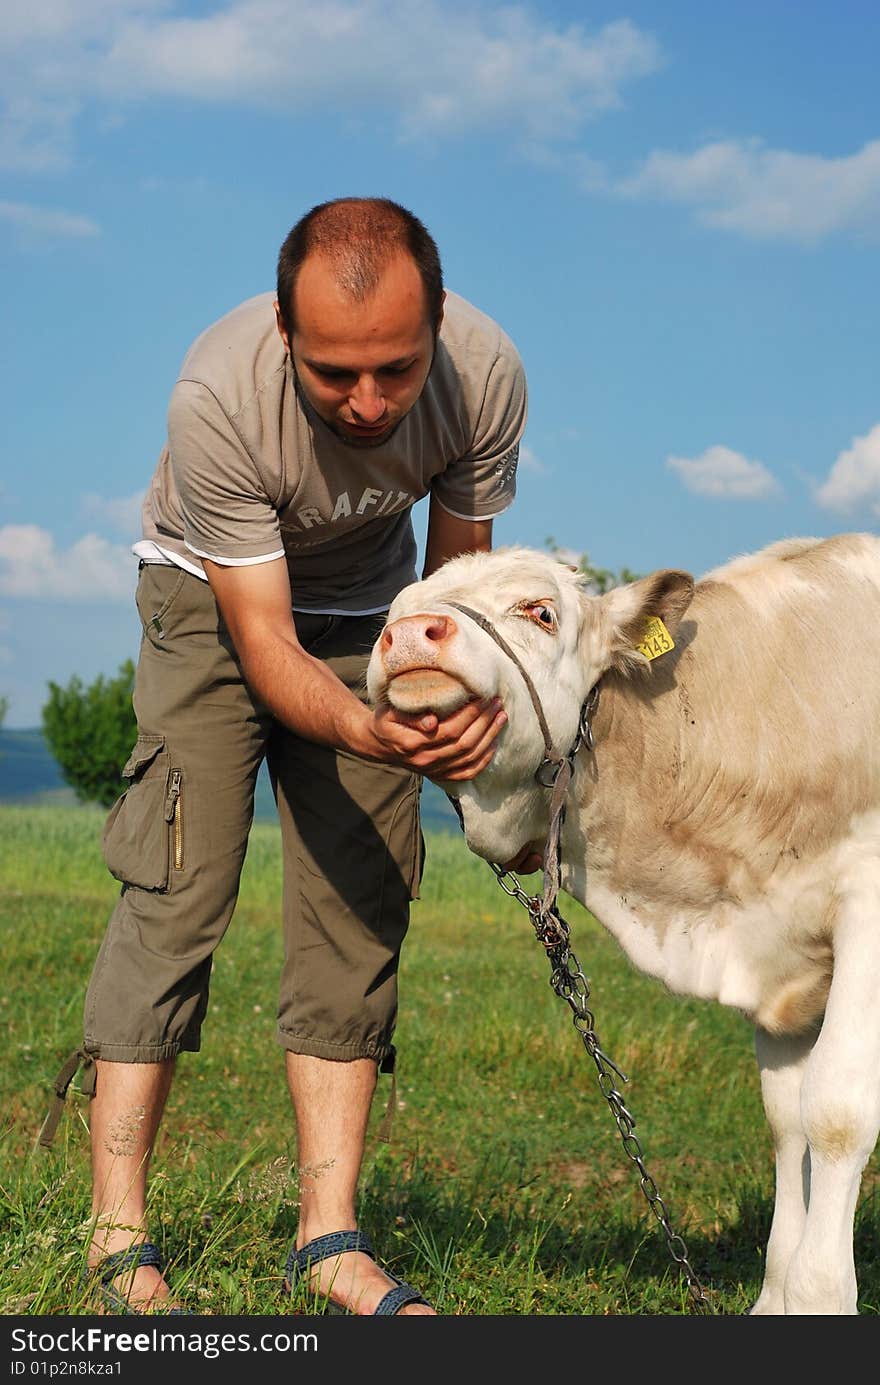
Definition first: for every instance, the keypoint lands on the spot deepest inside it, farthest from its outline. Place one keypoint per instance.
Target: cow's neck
(499, 819)
(502, 810)
(638, 868)
(610, 834)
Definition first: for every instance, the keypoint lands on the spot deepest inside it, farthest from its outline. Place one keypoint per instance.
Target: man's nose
(367, 401)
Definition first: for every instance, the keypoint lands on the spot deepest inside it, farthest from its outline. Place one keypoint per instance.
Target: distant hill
(29, 773)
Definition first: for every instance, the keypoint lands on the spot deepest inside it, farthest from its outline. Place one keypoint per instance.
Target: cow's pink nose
(410, 629)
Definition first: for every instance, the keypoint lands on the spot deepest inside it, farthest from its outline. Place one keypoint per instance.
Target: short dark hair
(359, 235)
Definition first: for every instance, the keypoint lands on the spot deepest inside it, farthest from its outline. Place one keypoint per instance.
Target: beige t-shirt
(251, 473)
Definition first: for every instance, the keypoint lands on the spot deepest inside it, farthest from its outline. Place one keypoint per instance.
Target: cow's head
(432, 657)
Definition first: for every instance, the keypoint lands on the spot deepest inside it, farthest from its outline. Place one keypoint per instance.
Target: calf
(724, 826)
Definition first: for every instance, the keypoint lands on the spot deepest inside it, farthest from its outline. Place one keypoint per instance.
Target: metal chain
(567, 978)
(570, 984)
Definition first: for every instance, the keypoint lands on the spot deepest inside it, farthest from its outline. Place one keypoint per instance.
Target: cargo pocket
(405, 841)
(143, 835)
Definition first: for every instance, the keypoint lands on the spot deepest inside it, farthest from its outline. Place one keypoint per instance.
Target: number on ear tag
(656, 639)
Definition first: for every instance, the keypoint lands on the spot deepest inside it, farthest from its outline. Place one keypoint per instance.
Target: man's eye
(541, 612)
(397, 369)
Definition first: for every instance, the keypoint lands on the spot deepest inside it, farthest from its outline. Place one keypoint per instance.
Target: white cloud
(36, 134)
(90, 570)
(724, 474)
(743, 186)
(854, 478)
(44, 221)
(51, 52)
(123, 515)
(436, 66)
(530, 462)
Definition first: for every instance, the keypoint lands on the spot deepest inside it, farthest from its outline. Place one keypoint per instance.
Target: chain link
(567, 978)
(570, 984)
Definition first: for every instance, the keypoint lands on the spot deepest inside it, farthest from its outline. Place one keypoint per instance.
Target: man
(277, 530)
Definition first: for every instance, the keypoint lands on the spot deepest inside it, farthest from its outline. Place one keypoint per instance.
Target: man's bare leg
(124, 1117)
(332, 1102)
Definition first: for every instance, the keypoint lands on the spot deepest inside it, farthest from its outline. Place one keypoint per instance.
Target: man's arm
(255, 602)
(448, 536)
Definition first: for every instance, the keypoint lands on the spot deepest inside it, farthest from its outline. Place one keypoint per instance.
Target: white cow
(725, 827)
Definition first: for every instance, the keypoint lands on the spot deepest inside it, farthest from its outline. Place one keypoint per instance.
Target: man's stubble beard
(336, 428)
(353, 441)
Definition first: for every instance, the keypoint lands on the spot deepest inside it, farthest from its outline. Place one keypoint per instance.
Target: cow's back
(755, 741)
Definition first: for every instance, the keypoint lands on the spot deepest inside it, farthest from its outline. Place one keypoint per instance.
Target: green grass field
(505, 1189)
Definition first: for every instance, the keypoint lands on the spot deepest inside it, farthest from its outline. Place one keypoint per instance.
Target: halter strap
(549, 749)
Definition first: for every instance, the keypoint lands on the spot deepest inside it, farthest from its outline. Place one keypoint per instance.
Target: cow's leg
(840, 1108)
(781, 1062)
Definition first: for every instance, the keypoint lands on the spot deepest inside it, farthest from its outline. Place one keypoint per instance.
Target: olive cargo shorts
(176, 839)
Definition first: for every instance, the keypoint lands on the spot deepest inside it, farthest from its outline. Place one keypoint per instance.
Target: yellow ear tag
(656, 639)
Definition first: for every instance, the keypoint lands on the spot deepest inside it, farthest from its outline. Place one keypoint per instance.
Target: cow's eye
(541, 612)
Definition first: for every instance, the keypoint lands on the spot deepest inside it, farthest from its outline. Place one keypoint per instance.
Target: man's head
(359, 306)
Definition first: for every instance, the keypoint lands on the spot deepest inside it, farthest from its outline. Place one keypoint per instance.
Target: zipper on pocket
(174, 815)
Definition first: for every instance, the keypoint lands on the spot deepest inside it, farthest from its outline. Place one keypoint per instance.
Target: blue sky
(673, 208)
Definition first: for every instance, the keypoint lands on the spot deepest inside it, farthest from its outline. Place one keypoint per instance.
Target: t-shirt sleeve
(227, 513)
(482, 482)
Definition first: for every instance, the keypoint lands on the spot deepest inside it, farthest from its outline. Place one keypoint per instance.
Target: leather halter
(552, 757)
(550, 754)
(555, 771)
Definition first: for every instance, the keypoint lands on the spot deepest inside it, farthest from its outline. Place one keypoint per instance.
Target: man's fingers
(474, 748)
(453, 747)
(470, 760)
(451, 728)
(482, 730)
(463, 727)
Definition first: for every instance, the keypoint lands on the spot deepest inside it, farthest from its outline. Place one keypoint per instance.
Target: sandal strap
(144, 1253)
(299, 1262)
(397, 1298)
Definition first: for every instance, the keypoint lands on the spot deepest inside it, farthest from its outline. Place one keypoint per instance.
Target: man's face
(361, 366)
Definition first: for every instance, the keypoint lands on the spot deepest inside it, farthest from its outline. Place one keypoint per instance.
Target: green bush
(90, 731)
(599, 579)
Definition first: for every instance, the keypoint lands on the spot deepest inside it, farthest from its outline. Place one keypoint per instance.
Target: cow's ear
(665, 594)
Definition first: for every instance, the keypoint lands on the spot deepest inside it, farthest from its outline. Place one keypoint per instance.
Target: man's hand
(305, 695)
(454, 748)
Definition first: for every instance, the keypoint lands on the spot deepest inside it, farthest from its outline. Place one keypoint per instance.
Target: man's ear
(282, 330)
